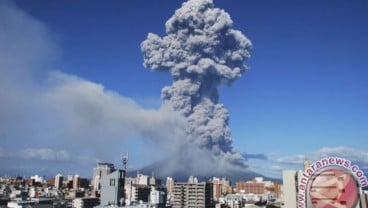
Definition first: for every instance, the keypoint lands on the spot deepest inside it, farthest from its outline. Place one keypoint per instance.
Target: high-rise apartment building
(101, 170)
(157, 197)
(225, 186)
(130, 190)
(192, 194)
(290, 182)
(169, 185)
(59, 181)
(76, 182)
(217, 188)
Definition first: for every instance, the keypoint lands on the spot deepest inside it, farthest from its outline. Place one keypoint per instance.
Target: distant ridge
(158, 170)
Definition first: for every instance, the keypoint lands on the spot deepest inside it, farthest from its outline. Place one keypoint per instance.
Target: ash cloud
(277, 162)
(255, 156)
(49, 117)
(202, 51)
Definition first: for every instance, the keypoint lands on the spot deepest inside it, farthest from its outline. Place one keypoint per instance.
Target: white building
(156, 197)
(169, 184)
(101, 170)
(130, 191)
(142, 180)
(76, 182)
(37, 178)
(290, 182)
(234, 200)
(59, 181)
(20, 204)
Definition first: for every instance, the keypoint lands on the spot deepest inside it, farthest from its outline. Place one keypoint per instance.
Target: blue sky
(306, 94)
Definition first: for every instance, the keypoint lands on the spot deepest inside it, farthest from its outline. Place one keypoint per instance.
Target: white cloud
(345, 152)
(35, 154)
(276, 162)
(354, 155)
(294, 159)
(44, 154)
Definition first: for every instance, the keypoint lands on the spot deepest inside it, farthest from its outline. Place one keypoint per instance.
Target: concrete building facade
(225, 186)
(76, 182)
(142, 180)
(101, 170)
(169, 185)
(250, 187)
(217, 188)
(193, 194)
(290, 182)
(59, 181)
(85, 202)
(112, 189)
(157, 197)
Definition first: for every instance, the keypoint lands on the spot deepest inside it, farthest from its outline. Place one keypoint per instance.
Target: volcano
(158, 169)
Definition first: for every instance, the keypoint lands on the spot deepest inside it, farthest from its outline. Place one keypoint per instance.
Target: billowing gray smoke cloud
(201, 50)
(50, 117)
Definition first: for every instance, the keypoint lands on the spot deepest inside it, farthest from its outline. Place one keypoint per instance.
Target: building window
(112, 182)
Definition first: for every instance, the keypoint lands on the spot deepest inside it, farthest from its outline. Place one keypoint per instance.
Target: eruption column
(202, 51)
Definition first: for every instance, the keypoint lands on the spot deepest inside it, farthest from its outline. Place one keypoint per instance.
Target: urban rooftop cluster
(111, 187)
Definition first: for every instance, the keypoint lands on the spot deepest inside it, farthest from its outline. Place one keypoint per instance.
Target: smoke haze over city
(73, 90)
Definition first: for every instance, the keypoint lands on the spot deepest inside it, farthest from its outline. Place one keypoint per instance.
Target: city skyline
(77, 92)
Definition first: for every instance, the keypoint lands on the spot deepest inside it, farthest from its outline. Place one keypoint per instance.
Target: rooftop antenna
(124, 159)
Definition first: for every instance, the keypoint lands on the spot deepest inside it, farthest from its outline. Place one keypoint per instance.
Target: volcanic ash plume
(202, 51)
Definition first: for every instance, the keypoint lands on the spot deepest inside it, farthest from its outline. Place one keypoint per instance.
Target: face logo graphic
(333, 188)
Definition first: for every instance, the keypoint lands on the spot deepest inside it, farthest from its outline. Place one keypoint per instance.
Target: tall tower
(76, 182)
(169, 185)
(217, 187)
(59, 181)
(124, 160)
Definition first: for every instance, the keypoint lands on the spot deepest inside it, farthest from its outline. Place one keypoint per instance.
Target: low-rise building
(86, 202)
